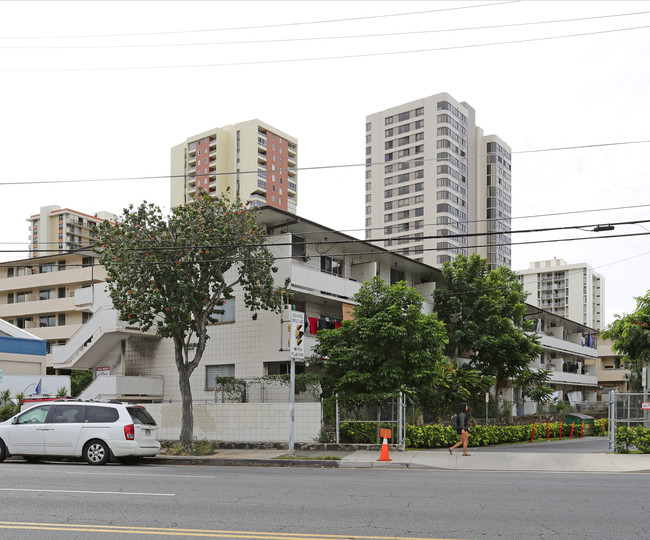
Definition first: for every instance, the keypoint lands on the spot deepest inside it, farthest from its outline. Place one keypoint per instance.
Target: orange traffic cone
(384, 447)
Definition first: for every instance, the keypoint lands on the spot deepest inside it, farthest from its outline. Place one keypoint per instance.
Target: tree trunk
(187, 418)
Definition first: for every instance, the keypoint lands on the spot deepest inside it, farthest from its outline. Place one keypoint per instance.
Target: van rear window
(140, 415)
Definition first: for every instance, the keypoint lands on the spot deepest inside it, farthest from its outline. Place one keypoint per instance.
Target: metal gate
(626, 409)
(393, 412)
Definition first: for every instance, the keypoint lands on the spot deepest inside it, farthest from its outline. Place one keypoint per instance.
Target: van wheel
(96, 452)
(3, 452)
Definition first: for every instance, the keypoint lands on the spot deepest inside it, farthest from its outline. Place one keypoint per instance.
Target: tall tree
(388, 346)
(484, 314)
(630, 335)
(175, 273)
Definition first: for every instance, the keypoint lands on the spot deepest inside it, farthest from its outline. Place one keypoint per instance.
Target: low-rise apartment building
(570, 353)
(326, 269)
(37, 294)
(612, 374)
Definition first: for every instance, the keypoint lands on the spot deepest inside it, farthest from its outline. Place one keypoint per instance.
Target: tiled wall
(240, 422)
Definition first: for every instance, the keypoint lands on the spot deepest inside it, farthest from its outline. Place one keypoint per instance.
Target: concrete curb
(244, 462)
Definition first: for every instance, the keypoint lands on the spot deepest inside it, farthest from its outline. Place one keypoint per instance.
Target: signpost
(296, 350)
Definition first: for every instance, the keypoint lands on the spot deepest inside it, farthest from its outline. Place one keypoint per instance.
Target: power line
(377, 240)
(258, 27)
(323, 38)
(320, 58)
(312, 168)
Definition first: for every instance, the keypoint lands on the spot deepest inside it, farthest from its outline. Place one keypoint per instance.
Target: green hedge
(439, 436)
(637, 438)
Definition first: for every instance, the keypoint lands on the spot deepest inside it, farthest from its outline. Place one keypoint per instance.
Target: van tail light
(129, 432)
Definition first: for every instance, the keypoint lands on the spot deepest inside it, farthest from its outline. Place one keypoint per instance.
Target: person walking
(462, 428)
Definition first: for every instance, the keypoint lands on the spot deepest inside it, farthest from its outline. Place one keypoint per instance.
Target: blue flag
(38, 387)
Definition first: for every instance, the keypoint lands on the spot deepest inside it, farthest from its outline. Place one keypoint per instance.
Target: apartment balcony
(49, 280)
(124, 388)
(322, 284)
(292, 186)
(562, 346)
(613, 375)
(560, 377)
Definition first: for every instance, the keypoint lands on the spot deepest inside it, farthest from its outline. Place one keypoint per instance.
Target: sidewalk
(438, 459)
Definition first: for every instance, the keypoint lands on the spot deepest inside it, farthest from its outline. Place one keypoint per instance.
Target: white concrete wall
(240, 422)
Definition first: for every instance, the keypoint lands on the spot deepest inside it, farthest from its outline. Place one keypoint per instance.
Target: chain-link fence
(357, 421)
(260, 390)
(626, 410)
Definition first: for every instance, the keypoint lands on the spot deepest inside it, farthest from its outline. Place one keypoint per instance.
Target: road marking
(130, 474)
(194, 532)
(88, 492)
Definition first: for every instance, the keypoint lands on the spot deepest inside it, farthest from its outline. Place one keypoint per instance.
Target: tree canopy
(483, 312)
(174, 273)
(630, 335)
(388, 346)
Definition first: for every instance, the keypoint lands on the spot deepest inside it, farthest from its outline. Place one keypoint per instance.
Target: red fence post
(533, 435)
(548, 429)
(560, 429)
(572, 424)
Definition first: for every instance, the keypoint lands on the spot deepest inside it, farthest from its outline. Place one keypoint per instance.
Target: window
(388, 145)
(419, 124)
(404, 128)
(404, 214)
(388, 205)
(212, 372)
(388, 121)
(368, 197)
(61, 292)
(21, 297)
(388, 157)
(228, 315)
(368, 126)
(368, 186)
(419, 111)
(87, 261)
(61, 319)
(388, 132)
(404, 116)
(45, 321)
(35, 415)
(46, 294)
(331, 265)
(85, 317)
(68, 414)
(403, 190)
(396, 276)
(419, 136)
(402, 141)
(388, 193)
(10, 298)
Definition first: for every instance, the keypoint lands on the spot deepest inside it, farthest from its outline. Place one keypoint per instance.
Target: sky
(93, 95)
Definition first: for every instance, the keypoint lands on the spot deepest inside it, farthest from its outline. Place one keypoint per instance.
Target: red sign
(645, 405)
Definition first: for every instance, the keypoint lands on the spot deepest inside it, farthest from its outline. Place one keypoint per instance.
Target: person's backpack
(455, 422)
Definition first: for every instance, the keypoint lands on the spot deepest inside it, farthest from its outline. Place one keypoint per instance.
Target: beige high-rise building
(573, 291)
(436, 186)
(56, 229)
(254, 160)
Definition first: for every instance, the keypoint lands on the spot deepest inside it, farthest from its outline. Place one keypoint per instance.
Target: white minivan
(96, 431)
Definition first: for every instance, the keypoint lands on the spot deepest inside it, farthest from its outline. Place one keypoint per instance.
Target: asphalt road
(77, 501)
(586, 445)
